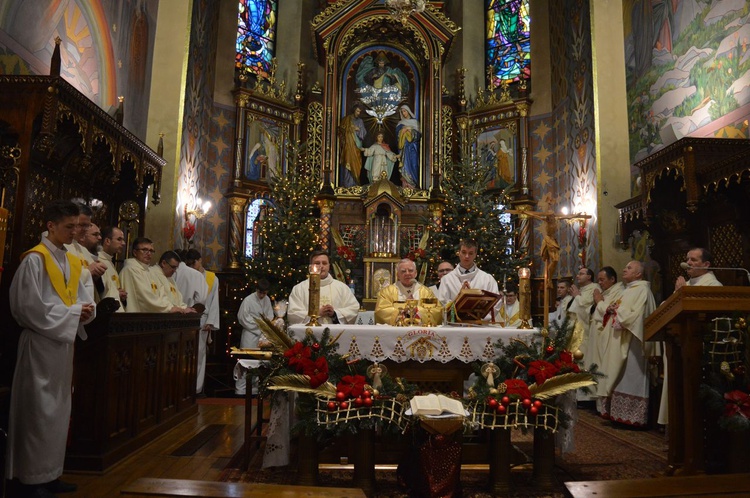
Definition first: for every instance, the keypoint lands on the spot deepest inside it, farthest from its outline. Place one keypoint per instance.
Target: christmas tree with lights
(291, 229)
(475, 212)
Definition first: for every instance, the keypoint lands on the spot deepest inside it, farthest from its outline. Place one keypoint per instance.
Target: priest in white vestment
(144, 286)
(697, 259)
(164, 272)
(191, 283)
(467, 276)
(391, 299)
(601, 333)
(337, 301)
(49, 299)
(210, 317)
(444, 268)
(113, 241)
(626, 387)
(253, 306)
(562, 303)
(583, 301)
(510, 310)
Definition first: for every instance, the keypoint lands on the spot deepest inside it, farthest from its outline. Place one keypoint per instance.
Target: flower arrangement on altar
(347, 258)
(525, 378)
(338, 393)
(342, 394)
(726, 391)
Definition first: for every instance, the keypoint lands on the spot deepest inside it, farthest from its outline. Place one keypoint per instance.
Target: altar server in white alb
(626, 388)
(253, 306)
(49, 299)
(581, 307)
(337, 302)
(467, 276)
(210, 317)
(510, 310)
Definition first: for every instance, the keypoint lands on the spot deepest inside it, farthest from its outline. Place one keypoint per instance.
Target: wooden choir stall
(136, 375)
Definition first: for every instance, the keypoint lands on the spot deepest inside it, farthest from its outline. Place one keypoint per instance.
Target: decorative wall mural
(688, 71)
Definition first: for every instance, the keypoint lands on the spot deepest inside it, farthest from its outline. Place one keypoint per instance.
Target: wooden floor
(156, 460)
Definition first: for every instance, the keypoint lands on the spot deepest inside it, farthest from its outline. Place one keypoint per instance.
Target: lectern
(679, 321)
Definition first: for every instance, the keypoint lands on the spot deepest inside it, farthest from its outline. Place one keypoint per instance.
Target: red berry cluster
(342, 401)
(501, 406)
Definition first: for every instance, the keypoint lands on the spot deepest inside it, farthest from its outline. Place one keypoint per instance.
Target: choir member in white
(337, 302)
(49, 299)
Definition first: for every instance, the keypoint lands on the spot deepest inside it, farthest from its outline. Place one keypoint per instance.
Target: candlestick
(524, 297)
(314, 295)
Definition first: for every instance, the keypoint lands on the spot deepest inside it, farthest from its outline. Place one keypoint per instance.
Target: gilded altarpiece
(382, 131)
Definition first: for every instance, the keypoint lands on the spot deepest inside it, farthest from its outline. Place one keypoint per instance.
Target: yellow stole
(210, 279)
(68, 292)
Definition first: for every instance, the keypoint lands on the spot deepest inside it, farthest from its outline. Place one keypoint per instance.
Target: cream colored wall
(468, 49)
(611, 121)
(165, 112)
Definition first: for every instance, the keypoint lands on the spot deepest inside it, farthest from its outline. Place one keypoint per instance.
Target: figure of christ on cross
(550, 249)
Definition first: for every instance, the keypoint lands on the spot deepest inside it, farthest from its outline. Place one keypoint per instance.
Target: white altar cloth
(400, 344)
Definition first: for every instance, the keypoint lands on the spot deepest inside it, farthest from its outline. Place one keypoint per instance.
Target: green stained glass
(508, 40)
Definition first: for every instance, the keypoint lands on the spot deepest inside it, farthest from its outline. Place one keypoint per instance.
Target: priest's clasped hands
(327, 310)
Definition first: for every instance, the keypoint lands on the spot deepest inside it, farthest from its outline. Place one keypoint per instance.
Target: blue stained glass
(508, 40)
(256, 35)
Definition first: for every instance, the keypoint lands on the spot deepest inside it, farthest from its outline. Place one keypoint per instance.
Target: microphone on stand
(686, 266)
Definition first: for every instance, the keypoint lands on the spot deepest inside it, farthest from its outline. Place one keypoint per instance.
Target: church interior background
(644, 132)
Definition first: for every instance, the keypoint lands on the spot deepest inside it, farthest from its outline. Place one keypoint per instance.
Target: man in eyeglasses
(147, 292)
(444, 268)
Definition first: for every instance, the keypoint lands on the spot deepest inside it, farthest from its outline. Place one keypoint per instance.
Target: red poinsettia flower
(738, 403)
(317, 370)
(542, 370)
(351, 385)
(188, 230)
(565, 362)
(298, 354)
(517, 387)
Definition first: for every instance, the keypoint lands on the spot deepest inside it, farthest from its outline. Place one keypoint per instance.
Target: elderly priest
(391, 300)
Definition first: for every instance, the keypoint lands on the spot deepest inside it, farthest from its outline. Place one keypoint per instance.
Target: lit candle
(314, 295)
(524, 297)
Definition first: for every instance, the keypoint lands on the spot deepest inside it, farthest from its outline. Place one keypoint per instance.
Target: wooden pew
(150, 487)
(703, 485)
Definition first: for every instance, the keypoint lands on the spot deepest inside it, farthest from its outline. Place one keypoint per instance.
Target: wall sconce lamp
(192, 215)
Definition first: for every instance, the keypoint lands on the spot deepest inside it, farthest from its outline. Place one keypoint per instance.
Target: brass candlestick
(524, 297)
(314, 296)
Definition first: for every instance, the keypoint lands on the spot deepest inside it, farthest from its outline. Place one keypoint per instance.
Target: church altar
(422, 344)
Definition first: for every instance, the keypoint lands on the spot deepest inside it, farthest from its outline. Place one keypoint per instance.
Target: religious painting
(686, 67)
(379, 132)
(497, 147)
(265, 142)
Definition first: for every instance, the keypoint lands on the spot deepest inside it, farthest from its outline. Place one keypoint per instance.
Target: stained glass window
(256, 212)
(256, 35)
(508, 40)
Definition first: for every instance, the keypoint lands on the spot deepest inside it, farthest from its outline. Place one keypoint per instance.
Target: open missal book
(436, 404)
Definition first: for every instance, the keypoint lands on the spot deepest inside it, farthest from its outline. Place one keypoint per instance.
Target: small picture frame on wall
(265, 140)
(496, 146)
